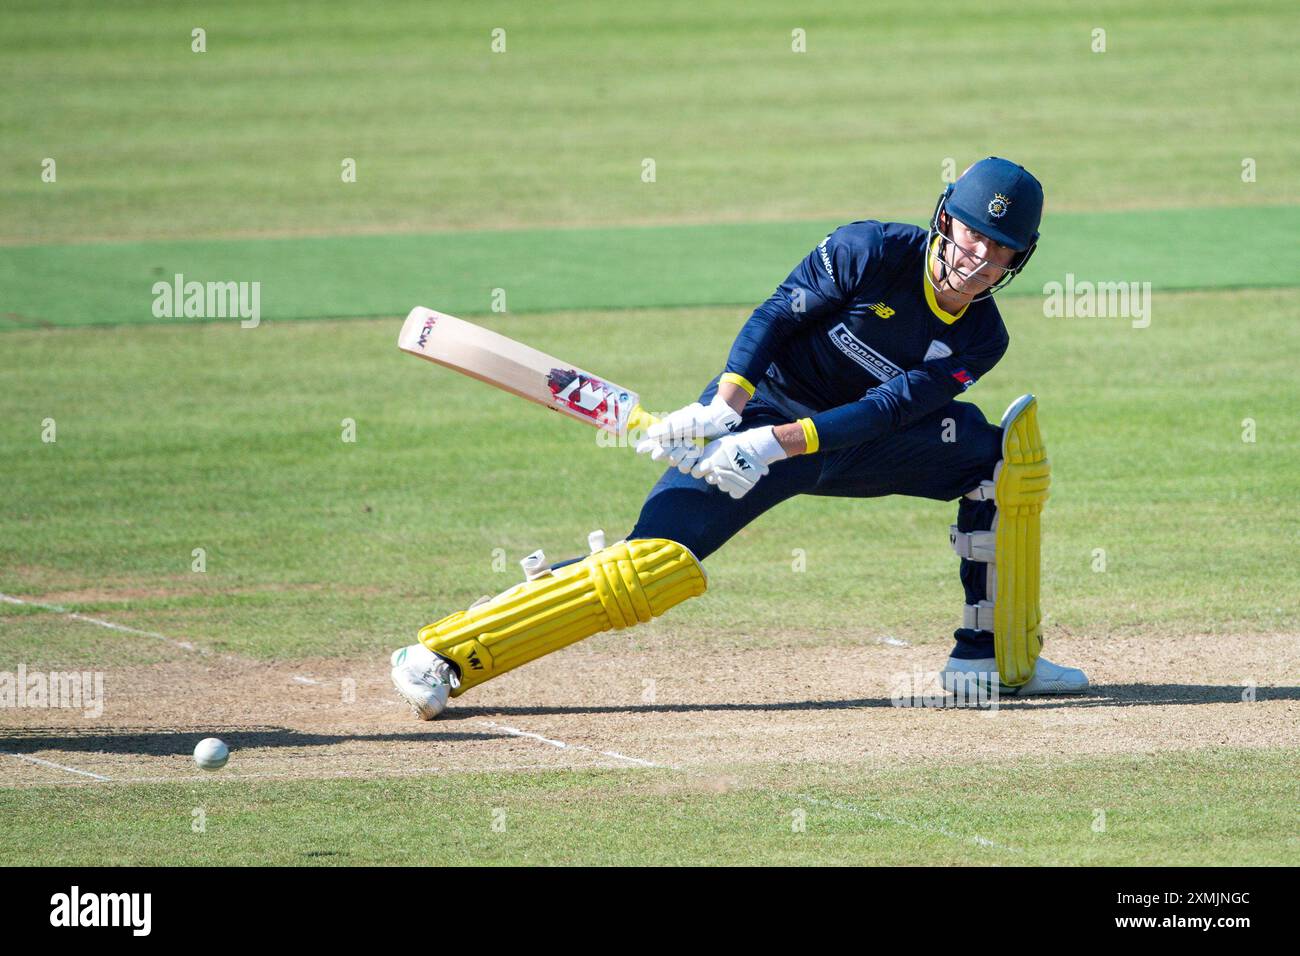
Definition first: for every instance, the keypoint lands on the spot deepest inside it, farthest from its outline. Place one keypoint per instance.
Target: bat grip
(641, 419)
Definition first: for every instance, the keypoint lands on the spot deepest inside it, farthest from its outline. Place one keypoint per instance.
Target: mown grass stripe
(562, 269)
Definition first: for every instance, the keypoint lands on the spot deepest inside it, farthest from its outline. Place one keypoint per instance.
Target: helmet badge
(998, 205)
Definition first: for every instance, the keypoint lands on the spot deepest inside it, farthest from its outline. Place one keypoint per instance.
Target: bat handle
(641, 419)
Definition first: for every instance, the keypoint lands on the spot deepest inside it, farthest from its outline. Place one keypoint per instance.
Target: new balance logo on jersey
(863, 354)
(881, 310)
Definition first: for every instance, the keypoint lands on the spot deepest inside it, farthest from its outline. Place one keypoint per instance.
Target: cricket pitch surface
(601, 705)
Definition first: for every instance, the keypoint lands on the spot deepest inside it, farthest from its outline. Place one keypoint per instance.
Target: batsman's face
(975, 261)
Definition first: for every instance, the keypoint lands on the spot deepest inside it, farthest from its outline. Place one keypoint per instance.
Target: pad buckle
(973, 545)
(978, 617)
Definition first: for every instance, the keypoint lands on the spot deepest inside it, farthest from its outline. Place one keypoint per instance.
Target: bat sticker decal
(587, 395)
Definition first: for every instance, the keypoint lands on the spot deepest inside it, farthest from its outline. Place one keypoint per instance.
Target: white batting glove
(695, 421)
(682, 456)
(735, 462)
(673, 436)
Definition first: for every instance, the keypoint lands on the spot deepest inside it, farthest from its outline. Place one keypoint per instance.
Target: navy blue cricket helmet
(1000, 199)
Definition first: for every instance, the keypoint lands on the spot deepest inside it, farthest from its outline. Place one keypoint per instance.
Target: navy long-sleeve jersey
(853, 344)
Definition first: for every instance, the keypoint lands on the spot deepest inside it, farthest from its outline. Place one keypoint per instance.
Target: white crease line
(645, 763)
(56, 766)
(307, 680)
(184, 645)
(900, 821)
(892, 641)
(516, 732)
(524, 733)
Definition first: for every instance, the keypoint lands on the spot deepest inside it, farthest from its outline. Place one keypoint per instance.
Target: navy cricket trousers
(941, 456)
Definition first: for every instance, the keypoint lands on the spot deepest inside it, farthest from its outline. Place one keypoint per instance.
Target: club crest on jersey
(998, 205)
(881, 309)
(937, 350)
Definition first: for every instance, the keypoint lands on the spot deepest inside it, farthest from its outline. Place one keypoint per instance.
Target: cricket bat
(501, 361)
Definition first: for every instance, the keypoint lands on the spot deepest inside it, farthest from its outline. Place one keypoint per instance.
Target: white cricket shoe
(424, 679)
(967, 676)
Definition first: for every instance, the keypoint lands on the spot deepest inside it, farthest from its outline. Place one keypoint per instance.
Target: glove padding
(683, 457)
(735, 462)
(673, 436)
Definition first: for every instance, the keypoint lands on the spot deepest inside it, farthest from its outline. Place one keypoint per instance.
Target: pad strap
(978, 617)
(973, 545)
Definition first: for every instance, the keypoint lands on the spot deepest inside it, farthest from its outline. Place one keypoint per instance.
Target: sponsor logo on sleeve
(964, 378)
(826, 259)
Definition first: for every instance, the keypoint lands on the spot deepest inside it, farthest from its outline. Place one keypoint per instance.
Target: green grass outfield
(1175, 447)
(607, 268)
(1201, 808)
(152, 140)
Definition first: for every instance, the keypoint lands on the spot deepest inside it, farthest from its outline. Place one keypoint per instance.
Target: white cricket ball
(211, 754)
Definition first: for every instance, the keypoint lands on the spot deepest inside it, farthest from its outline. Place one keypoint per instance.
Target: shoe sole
(1047, 691)
(419, 711)
(415, 709)
(1004, 691)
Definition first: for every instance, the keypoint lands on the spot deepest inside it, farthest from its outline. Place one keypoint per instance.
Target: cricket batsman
(844, 382)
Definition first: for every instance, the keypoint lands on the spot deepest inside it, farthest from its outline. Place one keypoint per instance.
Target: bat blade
(520, 369)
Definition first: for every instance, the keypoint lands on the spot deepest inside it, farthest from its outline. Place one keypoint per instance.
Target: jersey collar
(930, 300)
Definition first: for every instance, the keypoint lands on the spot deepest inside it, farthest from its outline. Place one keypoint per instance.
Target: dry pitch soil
(606, 704)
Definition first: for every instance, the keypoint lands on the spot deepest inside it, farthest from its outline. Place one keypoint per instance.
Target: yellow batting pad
(1022, 482)
(624, 584)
